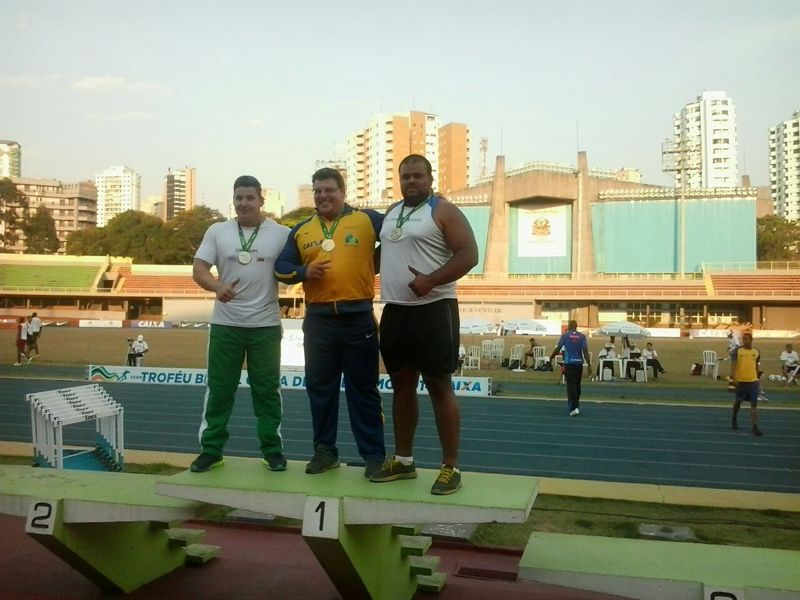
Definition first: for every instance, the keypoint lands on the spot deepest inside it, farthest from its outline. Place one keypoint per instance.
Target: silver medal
(245, 257)
(328, 245)
(396, 234)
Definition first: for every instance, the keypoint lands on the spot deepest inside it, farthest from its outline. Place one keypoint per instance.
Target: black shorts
(423, 336)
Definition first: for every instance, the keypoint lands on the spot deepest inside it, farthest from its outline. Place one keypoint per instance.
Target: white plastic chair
(486, 349)
(517, 352)
(709, 362)
(473, 360)
(498, 347)
(539, 357)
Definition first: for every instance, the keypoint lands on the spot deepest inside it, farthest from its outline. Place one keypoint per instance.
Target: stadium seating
(48, 277)
(183, 284)
(756, 285)
(582, 290)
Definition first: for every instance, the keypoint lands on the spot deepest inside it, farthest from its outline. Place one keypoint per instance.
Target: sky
(266, 88)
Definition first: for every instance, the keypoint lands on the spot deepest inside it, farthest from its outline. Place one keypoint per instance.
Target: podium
(364, 534)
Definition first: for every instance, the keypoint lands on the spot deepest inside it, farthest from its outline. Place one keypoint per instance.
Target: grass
(588, 516)
(621, 519)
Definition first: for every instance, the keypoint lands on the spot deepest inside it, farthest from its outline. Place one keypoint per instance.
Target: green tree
(293, 217)
(86, 242)
(13, 212)
(185, 233)
(138, 235)
(40, 233)
(777, 239)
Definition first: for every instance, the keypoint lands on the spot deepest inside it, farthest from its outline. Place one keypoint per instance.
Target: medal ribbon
(249, 243)
(325, 231)
(401, 220)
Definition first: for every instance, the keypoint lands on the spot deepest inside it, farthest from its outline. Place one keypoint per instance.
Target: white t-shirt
(610, 354)
(139, 347)
(35, 325)
(789, 358)
(649, 354)
(23, 332)
(256, 302)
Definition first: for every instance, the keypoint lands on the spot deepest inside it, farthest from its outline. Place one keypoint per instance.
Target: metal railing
(514, 278)
(767, 265)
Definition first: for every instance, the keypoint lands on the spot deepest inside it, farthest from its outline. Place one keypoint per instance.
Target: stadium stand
(755, 284)
(48, 278)
(159, 282)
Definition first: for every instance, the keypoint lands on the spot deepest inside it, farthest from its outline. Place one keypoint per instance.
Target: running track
(667, 445)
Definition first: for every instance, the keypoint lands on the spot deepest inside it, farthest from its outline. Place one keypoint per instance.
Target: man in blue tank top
(427, 245)
(576, 350)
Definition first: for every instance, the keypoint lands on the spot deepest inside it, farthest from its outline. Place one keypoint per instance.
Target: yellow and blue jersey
(349, 284)
(745, 364)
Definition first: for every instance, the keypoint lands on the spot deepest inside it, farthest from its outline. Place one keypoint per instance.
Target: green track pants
(227, 348)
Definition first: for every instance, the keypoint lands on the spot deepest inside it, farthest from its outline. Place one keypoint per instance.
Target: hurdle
(53, 410)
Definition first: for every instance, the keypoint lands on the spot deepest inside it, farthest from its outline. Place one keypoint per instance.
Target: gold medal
(396, 234)
(244, 257)
(328, 245)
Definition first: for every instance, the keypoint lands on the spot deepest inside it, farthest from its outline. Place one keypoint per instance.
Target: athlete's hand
(225, 291)
(317, 270)
(421, 285)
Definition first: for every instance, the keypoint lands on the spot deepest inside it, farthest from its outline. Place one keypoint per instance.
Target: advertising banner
(151, 324)
(99, 323)
(290, 380)
(542, 232)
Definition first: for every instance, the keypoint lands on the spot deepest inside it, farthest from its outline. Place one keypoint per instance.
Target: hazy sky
(265, 88)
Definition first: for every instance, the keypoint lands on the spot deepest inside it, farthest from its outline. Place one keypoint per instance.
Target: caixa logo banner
(151, 324)
(290, 380)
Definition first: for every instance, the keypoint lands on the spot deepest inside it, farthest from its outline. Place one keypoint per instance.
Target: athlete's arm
(201, 273)
(460, 239)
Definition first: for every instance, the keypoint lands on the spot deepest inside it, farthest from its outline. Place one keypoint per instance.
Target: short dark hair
(746, 333)
(416, 158)
(247, 181)
(328, 173)
(572, 325)
(33, 315)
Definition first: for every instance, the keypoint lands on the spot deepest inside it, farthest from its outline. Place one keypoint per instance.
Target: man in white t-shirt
(22, 341)
(789, 362)
(245, 324)
(34, 332)
(139, 347)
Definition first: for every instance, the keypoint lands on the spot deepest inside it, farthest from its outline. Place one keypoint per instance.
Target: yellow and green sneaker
(393, 470)
(448, 481)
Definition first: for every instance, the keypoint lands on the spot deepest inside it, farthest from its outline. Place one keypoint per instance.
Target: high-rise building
(784, 167)
(375, 152)
(10, 159)
(453, 157)
(180, 193)
(305, 195)
(118, 190)
(705, 136)
(273, 202)
(73, 206)
(154, 205)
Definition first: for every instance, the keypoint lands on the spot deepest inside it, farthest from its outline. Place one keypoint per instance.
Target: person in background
(789, 362)
(607, 353)
(632, 353)
(462, 356)
(745, 375)
(34, 332)
(529, 353)
(575, 351)
(22, 340)
(139, 348)
(650, 357)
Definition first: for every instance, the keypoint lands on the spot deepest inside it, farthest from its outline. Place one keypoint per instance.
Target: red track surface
(255, 563)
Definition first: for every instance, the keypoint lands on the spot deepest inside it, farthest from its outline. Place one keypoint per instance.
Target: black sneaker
(206, 462)
(448, 481)
(392, 470)
(372, 467)
(275, 461)
(734, 424)
(323, 460)
(756, 430)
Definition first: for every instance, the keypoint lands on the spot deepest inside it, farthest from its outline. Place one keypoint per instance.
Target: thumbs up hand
(226, 290)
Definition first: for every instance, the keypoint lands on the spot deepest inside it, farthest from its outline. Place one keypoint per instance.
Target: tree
(86, 242)
(292, 218)
(777, 239)
(185, 233)
(13, 212)
(40, 233)
(138, 235)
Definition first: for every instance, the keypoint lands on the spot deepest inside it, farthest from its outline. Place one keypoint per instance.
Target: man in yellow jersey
(745, 375)
(332, 253)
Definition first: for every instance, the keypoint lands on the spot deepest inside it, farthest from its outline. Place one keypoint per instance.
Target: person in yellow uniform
(333, 254)
(745, 375)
